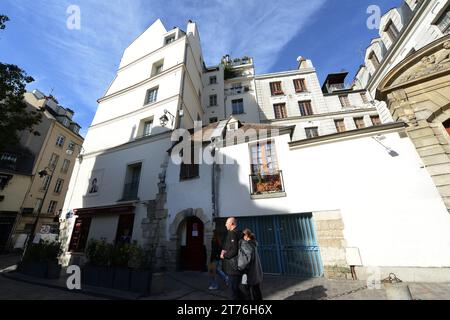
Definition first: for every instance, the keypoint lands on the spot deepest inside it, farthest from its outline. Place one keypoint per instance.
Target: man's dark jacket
(231, 246)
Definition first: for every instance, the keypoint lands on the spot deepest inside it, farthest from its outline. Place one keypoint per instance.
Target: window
(59, 186)
(65, 166)
(265, 177)
(131, 187)
(275, 88)
(71, 147)
(80, 234)
(189, 170)
(443, 22)
(148, 125)
(391, 30)
(60, 141)
(125, 229)
(300, 85)
(157, 67)
(37, 206)
(238, 106)
(169, 39)
(305, 108)
(213, 120)
(280, 110)
(213, 100)
(340, 125)
(344, 100)
(375, 120)
(364, 97)
(52, 207)
(213, 80)
(46, 183)
(374, 59)
(8, 161)
(359, 122)
(65, 122)
(53, 161)
(151, 96)
(312, 132)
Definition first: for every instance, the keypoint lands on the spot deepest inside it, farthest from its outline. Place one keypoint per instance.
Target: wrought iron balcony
(266, 183)
(237, 90)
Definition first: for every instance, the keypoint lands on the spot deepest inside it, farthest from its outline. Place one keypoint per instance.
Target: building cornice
(347, 135)
(138, 111)
(137, 85)
(285, 73)
(322, 115)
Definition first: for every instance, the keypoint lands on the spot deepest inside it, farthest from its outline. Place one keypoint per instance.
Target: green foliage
(14, 116)
(123, 255)
(44, 251)
(228, 72)
(3, 20)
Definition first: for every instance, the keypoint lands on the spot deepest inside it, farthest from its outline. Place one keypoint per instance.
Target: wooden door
(195, 256)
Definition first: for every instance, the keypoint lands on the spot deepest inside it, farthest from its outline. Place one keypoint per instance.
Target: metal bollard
(396, 289)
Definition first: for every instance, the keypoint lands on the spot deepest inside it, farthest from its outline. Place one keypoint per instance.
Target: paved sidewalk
(194, 286)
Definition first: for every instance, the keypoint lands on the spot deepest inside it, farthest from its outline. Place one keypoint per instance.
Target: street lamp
(42, 173)
(165, 119)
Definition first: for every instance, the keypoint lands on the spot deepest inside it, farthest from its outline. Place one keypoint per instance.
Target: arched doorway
(193, 254)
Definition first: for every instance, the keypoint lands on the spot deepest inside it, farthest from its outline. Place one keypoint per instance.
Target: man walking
(230, 257)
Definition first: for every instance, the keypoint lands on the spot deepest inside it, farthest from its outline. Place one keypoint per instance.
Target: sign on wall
(95, 183)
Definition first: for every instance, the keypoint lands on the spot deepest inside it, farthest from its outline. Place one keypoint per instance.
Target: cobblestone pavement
(194, 286)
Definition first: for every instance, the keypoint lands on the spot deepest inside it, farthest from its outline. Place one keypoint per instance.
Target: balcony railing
(336, 87)
(237, 90)
(130, 191)
(266, 183)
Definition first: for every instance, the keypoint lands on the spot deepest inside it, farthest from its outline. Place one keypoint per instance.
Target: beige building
(35, 175)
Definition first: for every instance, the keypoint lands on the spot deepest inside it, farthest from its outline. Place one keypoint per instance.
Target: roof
(334, 78)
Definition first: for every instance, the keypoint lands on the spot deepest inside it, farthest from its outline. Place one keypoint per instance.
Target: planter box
(53, 270)
(141, 281)
(90, 275)
(106, 277)
(45, 270)
(122, 279)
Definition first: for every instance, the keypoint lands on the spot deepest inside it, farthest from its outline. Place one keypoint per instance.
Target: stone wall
(330, 237)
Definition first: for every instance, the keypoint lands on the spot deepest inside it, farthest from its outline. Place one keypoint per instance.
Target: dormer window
(391, 30)
(374, 59)
(158, 67)
(169, 39)
(443, 22)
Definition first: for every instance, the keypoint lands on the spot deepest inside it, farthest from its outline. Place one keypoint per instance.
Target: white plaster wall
(147, 42)
(251, 108)
(134, 100)
(173, 55)
(392, 213)
(126, 129)
(211, 89)
(114, 165)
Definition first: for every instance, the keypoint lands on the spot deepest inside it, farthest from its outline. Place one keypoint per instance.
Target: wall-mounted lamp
(165, 119)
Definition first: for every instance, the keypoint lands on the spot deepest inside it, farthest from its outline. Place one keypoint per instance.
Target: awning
(107, 210)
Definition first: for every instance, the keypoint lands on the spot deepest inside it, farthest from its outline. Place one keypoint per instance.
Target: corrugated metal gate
(287, 244)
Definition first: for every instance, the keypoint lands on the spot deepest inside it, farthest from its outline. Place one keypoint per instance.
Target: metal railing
(266, 183)
(237, 90)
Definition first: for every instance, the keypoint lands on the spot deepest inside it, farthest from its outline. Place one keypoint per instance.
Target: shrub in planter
(120, 258)
(41, 260)
(141, 274)
(97, 272)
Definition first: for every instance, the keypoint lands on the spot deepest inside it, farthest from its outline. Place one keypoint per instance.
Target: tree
(14, 116)
(3, 20)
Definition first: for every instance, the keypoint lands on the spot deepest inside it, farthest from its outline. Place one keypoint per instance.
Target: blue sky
(78, 65)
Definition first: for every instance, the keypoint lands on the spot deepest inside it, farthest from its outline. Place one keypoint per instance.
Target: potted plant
(41, 260)
(141, 274)
(120, 260)
(97, 271)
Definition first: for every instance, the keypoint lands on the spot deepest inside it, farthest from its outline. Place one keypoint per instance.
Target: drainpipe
(214, 184)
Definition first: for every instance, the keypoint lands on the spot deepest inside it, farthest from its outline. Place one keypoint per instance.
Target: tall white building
(317, 176)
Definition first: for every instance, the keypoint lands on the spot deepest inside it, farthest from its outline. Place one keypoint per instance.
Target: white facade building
(322, 181)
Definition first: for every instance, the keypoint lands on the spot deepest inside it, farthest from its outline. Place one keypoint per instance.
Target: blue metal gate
(287, 244)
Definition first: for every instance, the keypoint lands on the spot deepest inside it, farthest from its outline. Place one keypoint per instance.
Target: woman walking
(250, 264)
(216, 263)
